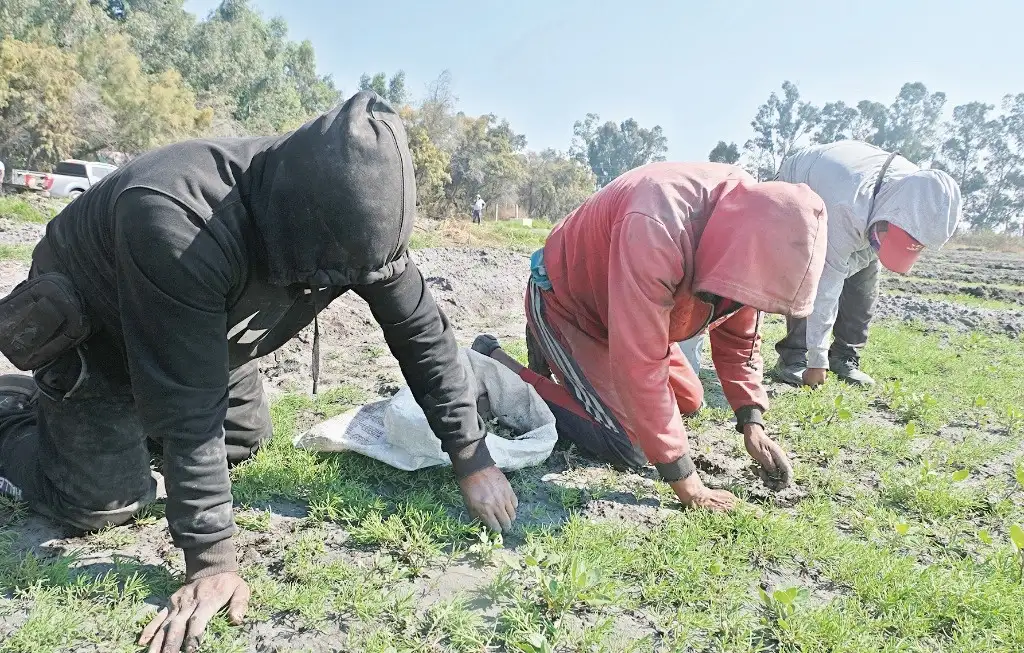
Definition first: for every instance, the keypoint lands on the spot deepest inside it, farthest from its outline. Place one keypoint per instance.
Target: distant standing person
(478, 209)
(3, 175)
(881, 209)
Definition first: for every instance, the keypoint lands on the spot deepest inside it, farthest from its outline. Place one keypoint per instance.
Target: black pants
(79, 455)
(850, 333)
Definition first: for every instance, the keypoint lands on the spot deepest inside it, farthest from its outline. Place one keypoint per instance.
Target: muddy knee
(89, 519)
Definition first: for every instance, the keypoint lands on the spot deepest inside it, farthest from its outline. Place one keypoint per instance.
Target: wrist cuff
(749, 415)
(210, 559)
(471, 458)
(676, 471)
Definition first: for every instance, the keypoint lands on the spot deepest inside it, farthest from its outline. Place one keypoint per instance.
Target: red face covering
(897, 250)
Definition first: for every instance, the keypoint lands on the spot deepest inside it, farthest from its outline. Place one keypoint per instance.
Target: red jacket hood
(764, 246)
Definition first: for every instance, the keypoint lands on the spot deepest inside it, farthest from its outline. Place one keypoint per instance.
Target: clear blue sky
(699, 69)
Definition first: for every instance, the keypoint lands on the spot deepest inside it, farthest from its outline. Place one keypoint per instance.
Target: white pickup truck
(70, 178)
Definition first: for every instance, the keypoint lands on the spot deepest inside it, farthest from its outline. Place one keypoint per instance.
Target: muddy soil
(927, 287)
(964, 265)
(938, 313)
(481, 291)
(13, 232)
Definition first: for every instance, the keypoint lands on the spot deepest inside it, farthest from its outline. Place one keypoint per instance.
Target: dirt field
(895, 537)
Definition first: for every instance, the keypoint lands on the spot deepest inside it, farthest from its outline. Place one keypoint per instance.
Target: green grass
(505, 234)
(900, 544)
(37, 210)
(16, 252)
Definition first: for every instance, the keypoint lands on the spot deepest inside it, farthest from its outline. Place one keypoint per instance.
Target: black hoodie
(201, 256)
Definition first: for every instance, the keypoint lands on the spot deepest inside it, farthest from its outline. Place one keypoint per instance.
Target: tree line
(108, 79)
(84, 77)
(457, 156)
(981, 147)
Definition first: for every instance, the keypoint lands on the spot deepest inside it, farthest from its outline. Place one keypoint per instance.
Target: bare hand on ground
(768, 455)
(490, 498)
(814, 376)
(192, 607)
(693, 493)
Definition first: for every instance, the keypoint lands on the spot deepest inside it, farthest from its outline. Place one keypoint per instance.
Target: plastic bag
(395, 431)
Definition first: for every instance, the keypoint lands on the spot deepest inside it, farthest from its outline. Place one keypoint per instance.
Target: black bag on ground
(40, 319)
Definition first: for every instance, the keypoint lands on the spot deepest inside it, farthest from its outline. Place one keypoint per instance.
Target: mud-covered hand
(768, 454)
(182, 623)
(489, 498)
(814, 376)
(692, 493)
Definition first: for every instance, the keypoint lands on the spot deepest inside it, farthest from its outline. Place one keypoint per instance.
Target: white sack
(395, 430)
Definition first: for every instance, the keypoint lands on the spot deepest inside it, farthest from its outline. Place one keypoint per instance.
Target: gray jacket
(924, 203)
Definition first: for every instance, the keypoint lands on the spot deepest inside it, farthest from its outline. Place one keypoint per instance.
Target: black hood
(335, 199)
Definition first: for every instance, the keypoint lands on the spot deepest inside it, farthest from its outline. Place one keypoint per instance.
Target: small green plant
(824, 415)
(910, 406)
(112, 537)
(560, 587)
(1017, 539)
(926, 470)
(11, 511)
(486, 546)
(1013, 420)
(150, 514)
(256, 520)
(781, 605)
(536, 644)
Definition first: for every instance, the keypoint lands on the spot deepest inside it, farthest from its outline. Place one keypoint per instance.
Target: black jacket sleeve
(173, 278)
(419, 336)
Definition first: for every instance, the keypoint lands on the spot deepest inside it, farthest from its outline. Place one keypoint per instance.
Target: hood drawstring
(314, 294)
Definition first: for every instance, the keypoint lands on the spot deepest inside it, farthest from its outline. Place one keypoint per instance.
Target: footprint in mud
(441, 283)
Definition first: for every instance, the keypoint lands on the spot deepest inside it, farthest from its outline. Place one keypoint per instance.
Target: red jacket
(626, 266)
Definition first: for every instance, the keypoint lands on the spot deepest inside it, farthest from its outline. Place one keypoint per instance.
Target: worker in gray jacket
(882, 209)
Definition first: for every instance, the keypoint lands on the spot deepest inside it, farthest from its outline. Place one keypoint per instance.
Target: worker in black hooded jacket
(190, 263)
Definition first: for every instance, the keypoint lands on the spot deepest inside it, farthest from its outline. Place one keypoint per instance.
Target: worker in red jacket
(662, 253)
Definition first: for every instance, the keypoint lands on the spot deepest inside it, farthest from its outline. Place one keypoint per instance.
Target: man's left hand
(768, 454)
(191, 609)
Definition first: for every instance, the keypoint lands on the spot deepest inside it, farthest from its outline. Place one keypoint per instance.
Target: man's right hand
(489, 498)
(814, 376)
(183, 623)
(693, 493)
